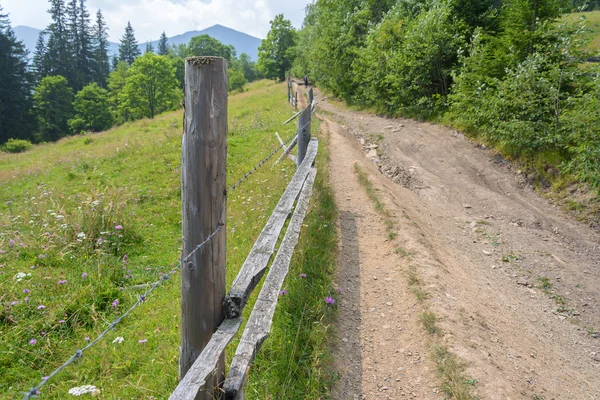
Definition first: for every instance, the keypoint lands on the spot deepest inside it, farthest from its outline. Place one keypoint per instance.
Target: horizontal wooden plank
(201, 371)
(259, 325)
(293, 117)
(258, 258)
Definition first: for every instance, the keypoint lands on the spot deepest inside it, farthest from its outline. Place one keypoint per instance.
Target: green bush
(16, 146)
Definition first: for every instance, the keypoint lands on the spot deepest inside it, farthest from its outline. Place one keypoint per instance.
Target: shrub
(16, 146)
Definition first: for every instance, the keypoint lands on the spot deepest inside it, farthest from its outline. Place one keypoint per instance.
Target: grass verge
(86, 220)
(294, 362)
(388, 218)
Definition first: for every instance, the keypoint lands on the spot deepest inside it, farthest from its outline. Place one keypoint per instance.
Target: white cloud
(150, 17)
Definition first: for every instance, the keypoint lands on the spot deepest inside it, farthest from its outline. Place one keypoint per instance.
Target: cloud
(150, 17)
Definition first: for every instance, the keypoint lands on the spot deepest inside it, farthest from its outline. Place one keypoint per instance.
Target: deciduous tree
(277, 52)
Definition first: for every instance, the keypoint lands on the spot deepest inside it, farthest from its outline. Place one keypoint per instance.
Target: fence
(211, 318)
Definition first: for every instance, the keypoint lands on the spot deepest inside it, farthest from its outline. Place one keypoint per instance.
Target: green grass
(388, 218)
(295, 362)
(428, 319)
(61, 204)
(451, 371)
(592, 23)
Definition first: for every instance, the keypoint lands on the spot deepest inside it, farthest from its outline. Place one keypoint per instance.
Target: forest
(508, 72)
(71, 84)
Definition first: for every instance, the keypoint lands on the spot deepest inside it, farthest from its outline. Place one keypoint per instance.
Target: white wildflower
(19, 277)
(79, 390)
(59, 217)
(95, 203)
(119, 339)
(64, 226)
(81, 235)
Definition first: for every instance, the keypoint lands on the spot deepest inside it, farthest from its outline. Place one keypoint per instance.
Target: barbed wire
(260, 164)
(33, 392)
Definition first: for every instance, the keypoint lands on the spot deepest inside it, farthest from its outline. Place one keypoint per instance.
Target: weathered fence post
(303, 134)
(203, 166)
(296, 101)
(289, 84)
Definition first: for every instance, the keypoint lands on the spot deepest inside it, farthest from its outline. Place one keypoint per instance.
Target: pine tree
(163, 46)
(101, 61)
(128, 49)
(85, 58)
(149, 48)
(15, 90)
(59, 54)
(40, 66)
(114, 62)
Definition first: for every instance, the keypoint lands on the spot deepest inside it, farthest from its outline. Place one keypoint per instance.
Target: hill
(242, 42)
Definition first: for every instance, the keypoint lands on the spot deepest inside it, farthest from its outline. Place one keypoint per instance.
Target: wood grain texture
(254, 267)
(287, 151)
(204, 150)
(303, 134)
(259, 325)
(204, 367)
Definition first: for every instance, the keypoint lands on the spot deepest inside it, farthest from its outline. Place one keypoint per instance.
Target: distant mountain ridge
(242, 42)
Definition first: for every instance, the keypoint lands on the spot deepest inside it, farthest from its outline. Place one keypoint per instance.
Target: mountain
(242, 42)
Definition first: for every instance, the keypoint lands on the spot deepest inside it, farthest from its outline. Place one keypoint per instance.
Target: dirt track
(482, 243)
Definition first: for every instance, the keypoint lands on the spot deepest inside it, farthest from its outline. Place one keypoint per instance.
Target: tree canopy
(277, 51)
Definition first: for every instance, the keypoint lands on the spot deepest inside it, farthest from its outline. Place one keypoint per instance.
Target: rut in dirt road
(512, 281)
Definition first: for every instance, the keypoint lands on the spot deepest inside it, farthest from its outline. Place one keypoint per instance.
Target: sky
(150, 17)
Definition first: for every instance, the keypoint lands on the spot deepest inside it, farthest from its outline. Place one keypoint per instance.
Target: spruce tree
(15, 90)
(114, 62)
(59, 52)
(101, 61)
(128, 49)
(85, 58)
(40, 66)
(149, 48)
(163, 46)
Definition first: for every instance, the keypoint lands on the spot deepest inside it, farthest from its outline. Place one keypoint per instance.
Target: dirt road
(512, 281)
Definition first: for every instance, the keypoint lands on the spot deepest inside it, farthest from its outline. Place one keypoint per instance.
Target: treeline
(505, 70)
(72, 85)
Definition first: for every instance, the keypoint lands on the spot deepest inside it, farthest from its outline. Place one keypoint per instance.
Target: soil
(513, 280)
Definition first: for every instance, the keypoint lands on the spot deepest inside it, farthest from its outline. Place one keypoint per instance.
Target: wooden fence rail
(203, 194)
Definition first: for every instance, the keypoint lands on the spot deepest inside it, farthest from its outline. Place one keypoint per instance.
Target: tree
(116, 82)
(100, 40)
(163, 46)
(92, 110)
(128, 49)
(236, 79)
(80, 44)
(204, 45)
(149, 48)
(53, 107)
(276, 53)
(15, 87)
(151, 87)
(40, 67)
(248, 67)
(59, 56)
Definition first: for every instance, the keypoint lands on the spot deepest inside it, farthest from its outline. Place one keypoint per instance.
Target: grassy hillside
(592, 22)
(87, 218)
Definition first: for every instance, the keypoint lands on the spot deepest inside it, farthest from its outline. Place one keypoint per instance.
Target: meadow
(88, 221)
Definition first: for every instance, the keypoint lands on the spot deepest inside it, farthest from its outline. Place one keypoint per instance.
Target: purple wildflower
(303, 275)
(41, 307)
(125, 258)
(115, 303)
(43, 333)
(118, 227)
(62, 321)
(26, 299)
(339, 290)
(84, 275)
(26, 291)
(11, 243)
(12, 303)
(32, 267)
(142, 340)
(32, 342)
(2, 251)
(44, 378)
(329, 300)
(22, 244)
(62, 281)
(87, 338)
(283, 293)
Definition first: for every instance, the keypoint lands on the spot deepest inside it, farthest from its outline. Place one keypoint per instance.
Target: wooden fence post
(303, 134)
(289, 84)
(296, 101)
(311, 96)
(203, 185)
